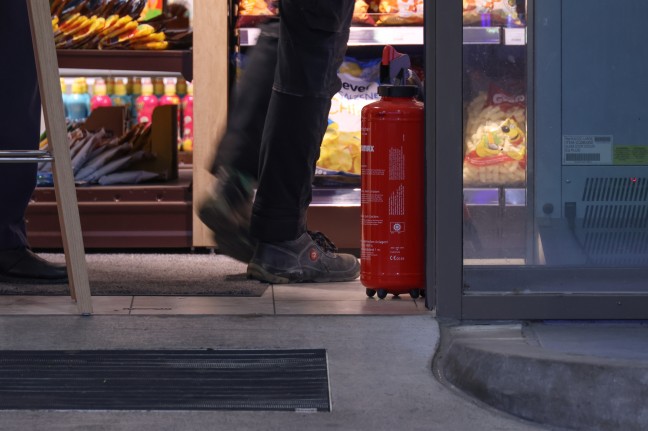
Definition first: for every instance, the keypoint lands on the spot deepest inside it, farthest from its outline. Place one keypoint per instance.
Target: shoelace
(320, 239)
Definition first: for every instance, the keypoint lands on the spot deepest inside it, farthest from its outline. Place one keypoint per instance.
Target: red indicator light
(633, 179)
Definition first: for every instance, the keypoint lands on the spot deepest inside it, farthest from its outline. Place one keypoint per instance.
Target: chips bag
(495, 139)
(340, 150)
(361, 14)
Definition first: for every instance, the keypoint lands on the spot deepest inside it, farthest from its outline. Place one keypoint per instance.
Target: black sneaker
(310, 258)
(227, 213)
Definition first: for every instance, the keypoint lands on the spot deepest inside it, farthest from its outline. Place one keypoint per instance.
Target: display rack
(367, 36)
(152, 60)
(155, 215)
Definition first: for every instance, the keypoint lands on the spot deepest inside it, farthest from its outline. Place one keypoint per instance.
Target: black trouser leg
(295, 126)
(312, 42)
(19, 120)
(240, 145)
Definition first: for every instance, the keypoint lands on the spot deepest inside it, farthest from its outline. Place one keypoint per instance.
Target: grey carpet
(153, 274)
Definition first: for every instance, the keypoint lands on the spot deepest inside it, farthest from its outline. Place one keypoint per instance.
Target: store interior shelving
(411, 35)
(129, 216)
(171, 61)
(332, 206)
(506, 205)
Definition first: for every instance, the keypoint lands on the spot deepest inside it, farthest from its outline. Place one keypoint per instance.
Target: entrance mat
(153, 274)
(295, 380)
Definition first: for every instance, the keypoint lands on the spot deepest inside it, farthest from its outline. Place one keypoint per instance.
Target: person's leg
(227, 210)
(19, 120)
(312, 43)
(239, 147)
(19, 130)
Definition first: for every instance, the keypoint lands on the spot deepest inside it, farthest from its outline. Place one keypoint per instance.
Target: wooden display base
(143, 216)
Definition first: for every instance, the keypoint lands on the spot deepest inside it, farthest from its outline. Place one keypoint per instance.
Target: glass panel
(574, 208)
(495, 144)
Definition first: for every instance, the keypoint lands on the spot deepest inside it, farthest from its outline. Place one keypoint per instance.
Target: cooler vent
(616, 217)
(616, 234)
(617, 248)
(620, 189)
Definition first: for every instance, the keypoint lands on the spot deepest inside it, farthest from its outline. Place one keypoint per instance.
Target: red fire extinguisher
(392, 195)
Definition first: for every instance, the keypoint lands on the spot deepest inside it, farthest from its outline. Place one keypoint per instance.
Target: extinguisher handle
(394, 67)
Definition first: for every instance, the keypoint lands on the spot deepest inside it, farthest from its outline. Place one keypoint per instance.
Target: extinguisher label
(397, 201)
(370, 196)
(396, 164)
(371, 220)
(397, 227)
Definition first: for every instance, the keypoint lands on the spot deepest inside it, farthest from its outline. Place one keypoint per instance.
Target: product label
(630, 155)
(587, 149)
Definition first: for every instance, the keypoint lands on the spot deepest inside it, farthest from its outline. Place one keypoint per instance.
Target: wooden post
(210, 71)
(50, 89)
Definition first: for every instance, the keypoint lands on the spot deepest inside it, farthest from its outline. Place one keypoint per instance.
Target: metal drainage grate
(165, 380)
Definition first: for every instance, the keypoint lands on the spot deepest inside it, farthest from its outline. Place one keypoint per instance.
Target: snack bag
(491, 13)
(397, 12)
(361, 14)
(254, 12)
(495, 139)
(340, 150)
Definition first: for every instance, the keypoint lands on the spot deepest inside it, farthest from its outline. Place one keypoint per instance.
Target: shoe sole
(257, 272)
(239, 247)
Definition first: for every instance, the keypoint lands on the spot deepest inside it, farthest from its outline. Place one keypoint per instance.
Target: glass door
(554, 162)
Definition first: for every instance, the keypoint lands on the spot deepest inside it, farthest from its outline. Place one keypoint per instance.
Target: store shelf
(336, 197)
(171, 61)
(359, 36)
(495, 196)
(494, 36)
(366, 36)
(153, 215)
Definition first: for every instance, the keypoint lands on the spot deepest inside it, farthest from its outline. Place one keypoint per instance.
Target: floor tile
(365, 306)
(319, 291)
(202, 305)
(30, 304)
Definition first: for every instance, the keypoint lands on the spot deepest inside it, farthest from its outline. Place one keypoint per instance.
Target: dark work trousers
(279, 123)
(239, 148)
(19, 120)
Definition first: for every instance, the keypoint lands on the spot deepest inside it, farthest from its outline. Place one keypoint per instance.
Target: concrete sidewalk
(380, 371)
(574, 375)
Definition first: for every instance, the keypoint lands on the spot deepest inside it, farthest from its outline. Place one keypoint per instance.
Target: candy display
(397, 12)
(254, 12)
(112, 24)
(365, 12)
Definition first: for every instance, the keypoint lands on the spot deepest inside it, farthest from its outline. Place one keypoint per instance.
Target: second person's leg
(312, 43)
